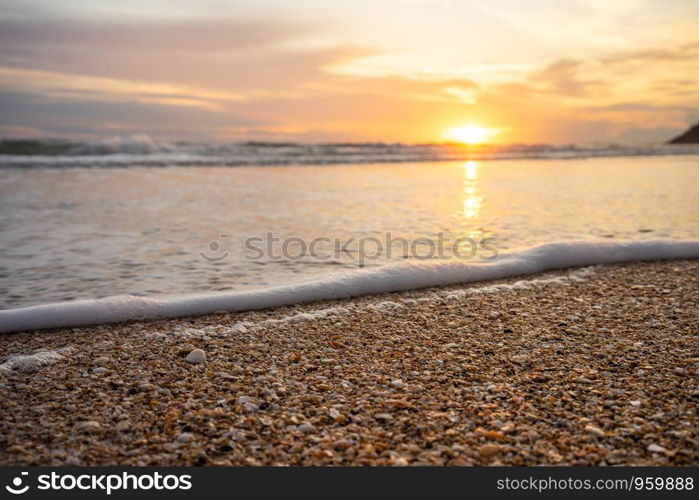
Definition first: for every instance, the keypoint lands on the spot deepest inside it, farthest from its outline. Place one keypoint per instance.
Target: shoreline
(389, 278)
(591, 366)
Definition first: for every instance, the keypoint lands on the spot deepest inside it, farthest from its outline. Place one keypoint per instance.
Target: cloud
(193, 35)
(562, 77)
(686, 52)
(217, 53)
(96, 118)
(65, 86)
(284, 77)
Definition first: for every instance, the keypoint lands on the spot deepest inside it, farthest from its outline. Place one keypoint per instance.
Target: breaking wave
(141, 150)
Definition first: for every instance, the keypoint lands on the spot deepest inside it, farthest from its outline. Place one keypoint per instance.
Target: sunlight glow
(470, 134)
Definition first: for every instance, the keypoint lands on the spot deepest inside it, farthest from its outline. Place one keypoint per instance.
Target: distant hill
(691, 136)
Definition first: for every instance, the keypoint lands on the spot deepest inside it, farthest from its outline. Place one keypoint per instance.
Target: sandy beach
(592, 366)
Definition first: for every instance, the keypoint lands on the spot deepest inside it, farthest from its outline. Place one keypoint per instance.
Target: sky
(528, 71)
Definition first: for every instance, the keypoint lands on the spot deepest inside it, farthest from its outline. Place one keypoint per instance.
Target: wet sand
(586, 367)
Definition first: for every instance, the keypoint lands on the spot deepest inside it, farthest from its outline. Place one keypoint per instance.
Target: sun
(470, 134)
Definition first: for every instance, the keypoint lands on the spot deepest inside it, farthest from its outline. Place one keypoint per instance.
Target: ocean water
(71, 231)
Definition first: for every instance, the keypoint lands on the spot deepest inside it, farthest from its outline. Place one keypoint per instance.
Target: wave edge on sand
(386, 279)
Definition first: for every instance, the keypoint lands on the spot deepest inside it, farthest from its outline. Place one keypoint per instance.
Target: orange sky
(394, 70)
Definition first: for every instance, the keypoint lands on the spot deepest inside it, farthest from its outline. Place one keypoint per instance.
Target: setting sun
(471, 134)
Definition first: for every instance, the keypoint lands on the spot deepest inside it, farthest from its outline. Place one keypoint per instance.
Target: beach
(588, 366)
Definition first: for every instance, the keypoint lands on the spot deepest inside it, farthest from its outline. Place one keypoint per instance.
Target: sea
(133, 216)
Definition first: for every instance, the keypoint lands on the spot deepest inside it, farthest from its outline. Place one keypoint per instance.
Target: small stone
(655, 448)
(101, 361)
(495, 435)
(185, 437)
(307, 428)
(488, 450)
(99, 369)
(383, 417)
(397, 384)
(124, 425)
(508, 427)
(235, 435)
(341, 419)
(594, 430)
(341, 444)
(250, 408)
(494, 315)
(242, 400)
(88, 426)
(400, 462)
(505, 427)
(196, 356)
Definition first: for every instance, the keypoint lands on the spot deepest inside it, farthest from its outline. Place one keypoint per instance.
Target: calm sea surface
(70, 233)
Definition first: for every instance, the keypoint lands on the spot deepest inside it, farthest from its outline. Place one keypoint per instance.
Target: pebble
(185, 437)
(196, 356)
(101, 361)
(495, 435)
(99, 369)
(592, 429)
(398, 384)
(250, 407)
(307, 428)
(488, 450)
(243, 400)
(124, 425)
(655, 448)
(88, 426)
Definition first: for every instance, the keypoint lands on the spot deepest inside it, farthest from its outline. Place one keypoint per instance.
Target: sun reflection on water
(472, 200)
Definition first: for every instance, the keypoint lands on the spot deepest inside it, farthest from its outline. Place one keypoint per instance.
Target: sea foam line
(389, 278)
(393, 305)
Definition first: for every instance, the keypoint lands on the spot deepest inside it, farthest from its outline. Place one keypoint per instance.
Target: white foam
(139, 144)
(29, 362)
(389, 278)
(336, 312)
